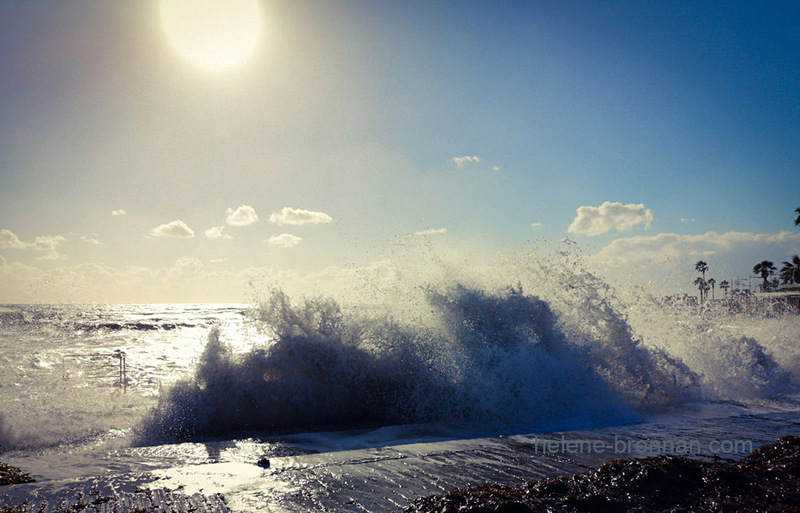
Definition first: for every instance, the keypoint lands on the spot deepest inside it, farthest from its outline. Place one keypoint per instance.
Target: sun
(215, 35)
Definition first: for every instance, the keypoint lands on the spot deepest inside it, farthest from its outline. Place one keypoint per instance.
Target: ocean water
(403, 355)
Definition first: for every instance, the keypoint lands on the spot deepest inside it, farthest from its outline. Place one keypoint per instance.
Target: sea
(402, 357)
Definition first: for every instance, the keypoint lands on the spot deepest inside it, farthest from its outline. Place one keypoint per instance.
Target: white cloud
(3, 262)
(288, 215)
(285, 240)
(440, 231)
(669, 246)
(656, 247)
(47, 243)
(610, 216)
(243, 216)
(461, 161)
(536, 225)
(217, 232)
(91, 239)
(685, 220)
(52, 255)
(8, 239)
(174, 229)
(495, 168)
(187, 267)
(119, 212)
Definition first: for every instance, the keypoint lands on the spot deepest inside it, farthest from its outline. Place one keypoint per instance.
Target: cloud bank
(593, 221)
(47, 244)
(668, 246)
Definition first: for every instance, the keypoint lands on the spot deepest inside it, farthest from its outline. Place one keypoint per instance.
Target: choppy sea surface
(154, 386)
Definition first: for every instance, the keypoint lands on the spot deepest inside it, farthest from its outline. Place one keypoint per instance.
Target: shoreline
(766, 480)
(390, 479)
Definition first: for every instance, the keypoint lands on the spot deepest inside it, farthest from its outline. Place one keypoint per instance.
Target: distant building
(786, 298)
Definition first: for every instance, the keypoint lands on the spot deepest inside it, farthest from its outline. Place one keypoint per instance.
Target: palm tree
(765, 269)
(712, 281)
(790, 272)
(797, 221)
(701, 267)
(702, 286)
(724, 285)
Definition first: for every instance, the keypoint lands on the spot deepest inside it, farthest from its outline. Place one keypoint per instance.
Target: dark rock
(512, 507)
(12, 475)
(768, 480)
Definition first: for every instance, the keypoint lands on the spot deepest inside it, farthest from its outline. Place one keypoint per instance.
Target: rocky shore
(768, 480)
(448, 475)
(765, 481)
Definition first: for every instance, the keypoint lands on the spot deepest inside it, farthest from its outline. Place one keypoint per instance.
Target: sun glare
(212, 34)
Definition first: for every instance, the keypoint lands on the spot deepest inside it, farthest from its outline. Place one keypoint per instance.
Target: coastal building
(785, 299)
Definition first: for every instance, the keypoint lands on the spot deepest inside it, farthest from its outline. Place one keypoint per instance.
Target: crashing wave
(501, 357)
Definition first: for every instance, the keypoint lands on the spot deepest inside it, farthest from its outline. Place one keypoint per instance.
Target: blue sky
(652, 133)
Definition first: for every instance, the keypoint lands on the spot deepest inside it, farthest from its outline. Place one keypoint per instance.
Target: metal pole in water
(123, 370)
